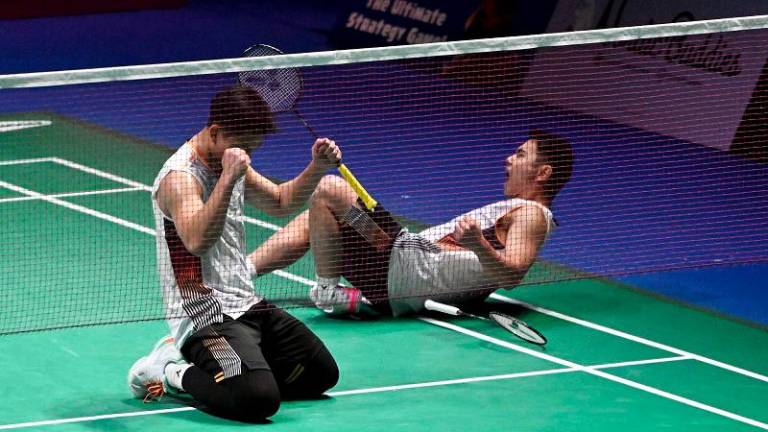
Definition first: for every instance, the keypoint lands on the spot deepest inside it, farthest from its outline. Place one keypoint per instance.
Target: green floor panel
(52, 178)
(653, 318)
(7, 193)
(568, 341)
(569, 402)
(92, 363)
(133, 207)
(713, 386)
(66, 268)
(82, 143)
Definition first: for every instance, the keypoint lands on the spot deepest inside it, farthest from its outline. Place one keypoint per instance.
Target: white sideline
(352, 392)
(633, 338)
(70, 194)
(76, 207)
(601, 374)
(25, 161)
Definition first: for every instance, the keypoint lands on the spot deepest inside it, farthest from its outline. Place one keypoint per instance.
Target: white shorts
(419, 270)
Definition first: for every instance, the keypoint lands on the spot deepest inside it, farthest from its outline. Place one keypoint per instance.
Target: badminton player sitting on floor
(394, 271)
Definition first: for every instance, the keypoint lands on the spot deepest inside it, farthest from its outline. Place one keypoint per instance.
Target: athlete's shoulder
(519, 211)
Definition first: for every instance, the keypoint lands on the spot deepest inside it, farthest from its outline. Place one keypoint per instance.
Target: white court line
(32, 195)
(100, 173)
(71, 194)
(129, 182)
(601, 374)
(261, 223)
(505, 376)
(293, 277)
(480, 336)
(355, 392)
(25, 161)
(633, 338)
(16, 125)
(76, 207)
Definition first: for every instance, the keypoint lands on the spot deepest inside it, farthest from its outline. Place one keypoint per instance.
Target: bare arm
(524, 239)
(288, 197)
(199, 223)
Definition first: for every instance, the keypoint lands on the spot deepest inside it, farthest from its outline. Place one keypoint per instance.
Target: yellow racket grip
(368, 200)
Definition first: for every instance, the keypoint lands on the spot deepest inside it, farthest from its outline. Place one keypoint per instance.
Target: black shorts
(265, 337)
(365, 266)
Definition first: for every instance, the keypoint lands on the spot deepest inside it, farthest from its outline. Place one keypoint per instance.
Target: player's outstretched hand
(325, 153)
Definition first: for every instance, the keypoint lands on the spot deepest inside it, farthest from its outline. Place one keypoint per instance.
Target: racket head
(518, 328)
(280, 88)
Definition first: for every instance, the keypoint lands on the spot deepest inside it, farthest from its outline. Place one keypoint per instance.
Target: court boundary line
(480, 336)
(368, 390)
(633, 338)
(70, 194)
(586, 369)
(76, 207)
(25, 161)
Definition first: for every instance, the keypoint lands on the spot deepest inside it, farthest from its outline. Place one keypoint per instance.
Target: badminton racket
(511, 324)
(281, 89)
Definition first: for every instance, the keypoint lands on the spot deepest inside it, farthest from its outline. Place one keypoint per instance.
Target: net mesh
(658, 183)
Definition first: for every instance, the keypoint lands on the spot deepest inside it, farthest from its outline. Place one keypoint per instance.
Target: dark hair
(241, 111)
(556, 152)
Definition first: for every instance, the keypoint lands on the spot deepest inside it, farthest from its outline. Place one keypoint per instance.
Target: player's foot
(338, 300)
(146, 379)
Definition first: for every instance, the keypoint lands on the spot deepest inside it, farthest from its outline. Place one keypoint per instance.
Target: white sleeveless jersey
(419, 269)
(199, 290)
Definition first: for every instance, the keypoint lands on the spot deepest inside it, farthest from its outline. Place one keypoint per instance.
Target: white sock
(327, 282)
(252, 270)
(174, 373)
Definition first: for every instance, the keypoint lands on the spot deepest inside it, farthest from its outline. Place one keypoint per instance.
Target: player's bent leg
(332, 197)
(283, 248)
(335, 193)
(253, 396)
(316, 377)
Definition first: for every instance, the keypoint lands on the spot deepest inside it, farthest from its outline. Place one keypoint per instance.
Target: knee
(329, 189)
(254, 396)
(325, 374)
(331, 378)
(260, 404)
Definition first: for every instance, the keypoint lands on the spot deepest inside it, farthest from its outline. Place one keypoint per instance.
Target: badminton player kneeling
(229, 349)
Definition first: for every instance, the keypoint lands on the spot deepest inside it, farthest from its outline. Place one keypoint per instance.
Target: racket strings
(280, 88)
(518, 327)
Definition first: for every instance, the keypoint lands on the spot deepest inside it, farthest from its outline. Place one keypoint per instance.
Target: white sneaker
(339, 300)
(146, 379)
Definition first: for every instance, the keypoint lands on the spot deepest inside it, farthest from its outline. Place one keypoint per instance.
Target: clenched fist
(467, 232)
(326, 154)
(234, 163)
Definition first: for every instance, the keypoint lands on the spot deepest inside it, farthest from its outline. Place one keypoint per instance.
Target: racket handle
(368, 200)
(440, 307)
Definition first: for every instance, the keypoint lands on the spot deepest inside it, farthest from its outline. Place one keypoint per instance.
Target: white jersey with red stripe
(420, 269)
(199, 290)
